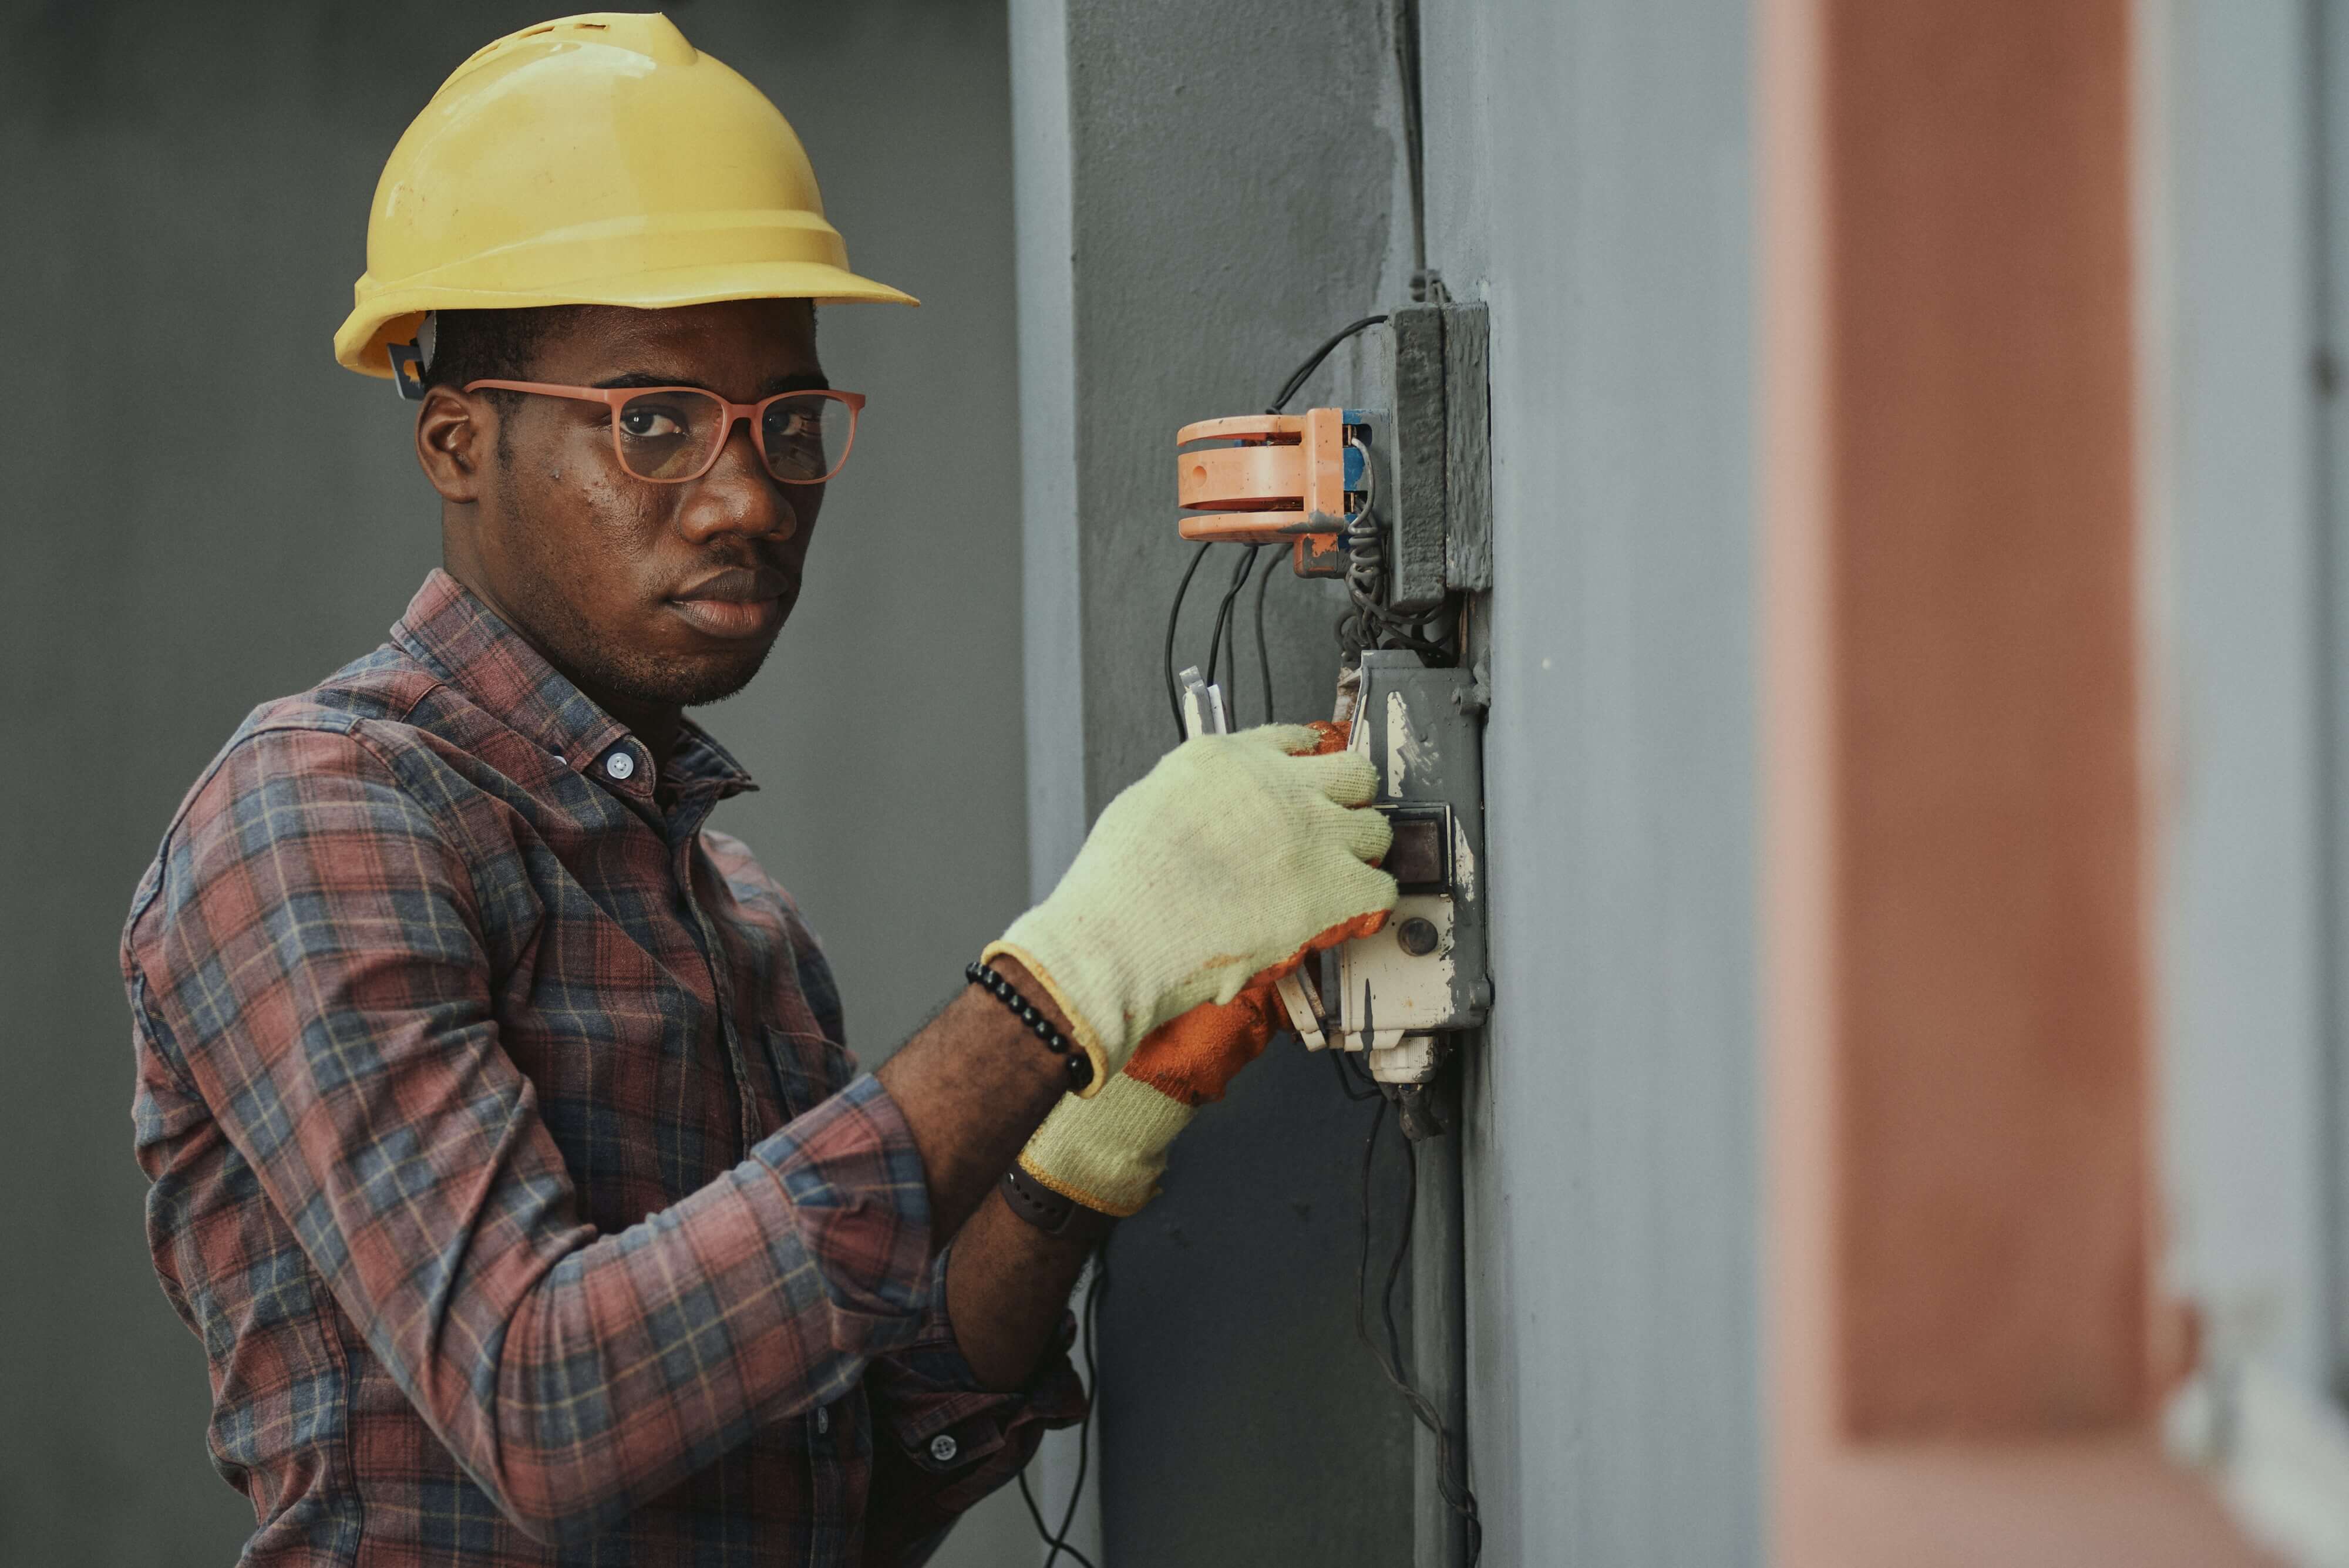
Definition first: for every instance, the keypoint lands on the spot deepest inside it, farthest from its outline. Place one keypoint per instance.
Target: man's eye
(650, 424)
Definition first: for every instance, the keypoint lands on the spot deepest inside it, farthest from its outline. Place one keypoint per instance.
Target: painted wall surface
(1588, 174)
(1196, 217)
(202, 511)
(2244, 941)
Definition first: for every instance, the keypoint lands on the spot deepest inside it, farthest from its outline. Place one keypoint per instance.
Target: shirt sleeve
(314, 954)
(942, 1442)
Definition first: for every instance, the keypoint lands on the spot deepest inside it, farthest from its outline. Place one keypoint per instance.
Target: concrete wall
(1588, 174)
(203, 511)
(2232, 300)
(1205, 194)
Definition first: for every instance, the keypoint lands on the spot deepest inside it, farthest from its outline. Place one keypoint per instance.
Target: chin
(682, 681)
(720, 680)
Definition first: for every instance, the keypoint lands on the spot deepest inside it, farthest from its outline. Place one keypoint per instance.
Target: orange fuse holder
(1274, 479)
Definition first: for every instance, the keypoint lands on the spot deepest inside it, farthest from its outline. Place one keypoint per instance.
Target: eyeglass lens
(671, 434)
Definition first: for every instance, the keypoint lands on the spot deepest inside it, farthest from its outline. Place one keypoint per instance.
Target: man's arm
(1008, 1285)
(972, 1086)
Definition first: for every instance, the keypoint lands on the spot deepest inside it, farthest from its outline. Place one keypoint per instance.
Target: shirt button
(823, 1421)
(621, 765)
(943, 1449)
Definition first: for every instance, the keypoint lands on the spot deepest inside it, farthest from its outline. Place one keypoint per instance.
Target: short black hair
(500, 345)
(488, 344)
(491, 346)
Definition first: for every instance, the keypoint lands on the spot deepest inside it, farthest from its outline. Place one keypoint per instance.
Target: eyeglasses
(669, 435)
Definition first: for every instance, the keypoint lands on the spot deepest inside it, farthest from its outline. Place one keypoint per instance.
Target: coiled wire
(1369, 622)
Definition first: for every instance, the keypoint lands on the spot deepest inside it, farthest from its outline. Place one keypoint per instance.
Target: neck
(656, 724)
(656, 727)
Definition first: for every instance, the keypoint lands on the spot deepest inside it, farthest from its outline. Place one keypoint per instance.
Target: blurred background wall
(201, 512)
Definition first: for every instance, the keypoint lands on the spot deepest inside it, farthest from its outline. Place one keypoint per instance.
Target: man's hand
(1202, 881)
(1224, 860)
(1107, 1152)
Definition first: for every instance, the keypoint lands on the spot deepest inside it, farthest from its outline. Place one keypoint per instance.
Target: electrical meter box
(1425, 973)
(1393, 498)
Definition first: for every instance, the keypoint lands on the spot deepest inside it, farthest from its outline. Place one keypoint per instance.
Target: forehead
(735, 346)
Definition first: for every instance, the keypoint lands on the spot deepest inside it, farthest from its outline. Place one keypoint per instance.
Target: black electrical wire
(1362, 1263)
(1092, 1401)
(1173, 696)
(1060, 1542)
(1404, 24)
(1216, 639)
(1451, 1479)
(1232, 639)
(1264, 658)
(1345, 1084)
(1401, 1254)
(1045, 1530)
(1288, 389)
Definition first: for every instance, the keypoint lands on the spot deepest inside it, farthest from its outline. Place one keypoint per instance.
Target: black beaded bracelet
(1081, 1066)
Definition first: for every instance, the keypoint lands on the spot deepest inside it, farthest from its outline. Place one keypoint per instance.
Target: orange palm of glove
(1192, 1058)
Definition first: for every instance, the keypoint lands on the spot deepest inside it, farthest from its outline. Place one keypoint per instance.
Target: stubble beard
(599, 664)
(608, 668)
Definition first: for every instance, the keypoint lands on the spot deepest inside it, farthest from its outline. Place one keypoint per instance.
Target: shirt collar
(461, 641)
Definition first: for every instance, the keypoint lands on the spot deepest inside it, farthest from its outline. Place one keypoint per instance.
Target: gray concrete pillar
(1205, 194)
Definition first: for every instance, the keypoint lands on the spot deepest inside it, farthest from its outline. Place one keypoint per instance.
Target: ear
(455, 435)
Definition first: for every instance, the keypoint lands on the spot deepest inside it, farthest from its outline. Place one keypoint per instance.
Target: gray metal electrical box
(1424, 974)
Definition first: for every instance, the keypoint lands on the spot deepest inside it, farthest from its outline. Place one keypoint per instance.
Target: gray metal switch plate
(1419, 728)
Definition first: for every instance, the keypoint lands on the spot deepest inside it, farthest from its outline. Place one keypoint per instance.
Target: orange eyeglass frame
(612, 398)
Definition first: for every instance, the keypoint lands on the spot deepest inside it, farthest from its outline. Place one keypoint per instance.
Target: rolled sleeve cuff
(856, 1205)
(970, 1439)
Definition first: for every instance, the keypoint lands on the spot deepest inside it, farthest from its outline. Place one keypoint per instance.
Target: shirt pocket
(804, 1068)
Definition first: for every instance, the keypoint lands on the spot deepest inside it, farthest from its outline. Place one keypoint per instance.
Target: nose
(738, 495)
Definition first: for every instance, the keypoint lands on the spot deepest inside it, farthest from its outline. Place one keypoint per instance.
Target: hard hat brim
(394, 315)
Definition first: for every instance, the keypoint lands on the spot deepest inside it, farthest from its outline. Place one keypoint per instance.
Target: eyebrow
(798, 382)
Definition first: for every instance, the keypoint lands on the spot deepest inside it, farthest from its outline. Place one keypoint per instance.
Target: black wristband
(1079, 1065)
(1048, 1211)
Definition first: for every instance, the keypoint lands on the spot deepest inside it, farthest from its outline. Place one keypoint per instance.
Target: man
(505, 1154)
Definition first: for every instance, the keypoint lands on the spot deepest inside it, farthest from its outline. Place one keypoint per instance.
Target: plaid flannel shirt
(506, 1158)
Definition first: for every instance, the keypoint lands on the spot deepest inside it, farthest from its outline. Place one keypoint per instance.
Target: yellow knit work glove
(1226, 858)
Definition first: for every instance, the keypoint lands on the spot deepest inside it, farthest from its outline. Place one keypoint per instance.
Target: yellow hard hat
(596, 160)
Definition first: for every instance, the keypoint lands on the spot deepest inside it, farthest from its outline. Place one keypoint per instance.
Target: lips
(738, 602)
